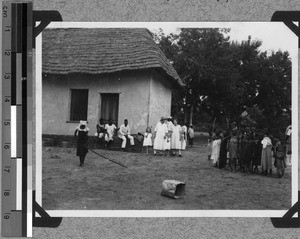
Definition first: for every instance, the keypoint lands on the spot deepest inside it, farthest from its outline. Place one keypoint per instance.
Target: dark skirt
(81, 151)
(223, 153)
(82, 144)
(247, 153)
(256, 156)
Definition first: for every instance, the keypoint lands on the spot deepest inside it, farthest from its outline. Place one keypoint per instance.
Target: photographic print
(174, 117)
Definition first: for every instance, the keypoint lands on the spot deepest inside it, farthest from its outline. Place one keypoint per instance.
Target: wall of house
(160, 98)
(133, 89)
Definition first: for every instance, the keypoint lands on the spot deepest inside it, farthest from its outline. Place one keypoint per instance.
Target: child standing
(82, 141)
(167, 144)
(191, 135)
(147, 139)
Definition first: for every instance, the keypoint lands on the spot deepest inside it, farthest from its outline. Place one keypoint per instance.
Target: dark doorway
(110, 107)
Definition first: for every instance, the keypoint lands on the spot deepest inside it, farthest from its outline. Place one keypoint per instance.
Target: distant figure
(81, 133)
(176, 138)
(167, 144)
(216, 149)
(246, 150)
(110, 131)
(147, 139)
(191, 135)
(233, 151)
(280, 154)
(184, 137)
(257, 148)
(223, 150)
(288, 139)
(160, 135)
(209, 144)
(266, 155)
(124, 133)
(100, 132)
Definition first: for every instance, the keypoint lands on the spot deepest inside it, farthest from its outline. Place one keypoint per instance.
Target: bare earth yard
(102, 185)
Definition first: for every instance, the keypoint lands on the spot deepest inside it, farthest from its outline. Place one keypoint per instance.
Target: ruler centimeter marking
(6, 117)
(17, 88)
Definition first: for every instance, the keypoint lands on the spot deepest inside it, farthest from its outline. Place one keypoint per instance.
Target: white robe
(176, 137)
(215, 154)
(161, 130)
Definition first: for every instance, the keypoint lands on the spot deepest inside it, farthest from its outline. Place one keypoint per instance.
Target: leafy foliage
(225, 78)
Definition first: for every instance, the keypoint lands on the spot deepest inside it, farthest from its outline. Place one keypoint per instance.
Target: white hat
(82, 122)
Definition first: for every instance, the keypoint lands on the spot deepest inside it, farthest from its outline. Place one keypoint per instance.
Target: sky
(274, 35)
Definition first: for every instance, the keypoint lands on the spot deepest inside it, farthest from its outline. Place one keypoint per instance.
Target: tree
(224, 78)
(196, 55)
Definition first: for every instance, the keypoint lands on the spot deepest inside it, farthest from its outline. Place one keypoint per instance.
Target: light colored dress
(266, 154)
(215, 154)
(110, 129)
(233, 147)
(161, 130)
(167, 143)
(184, 136)
(147, 139)
(176, 137)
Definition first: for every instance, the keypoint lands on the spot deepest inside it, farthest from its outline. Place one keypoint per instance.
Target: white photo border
(159, 213)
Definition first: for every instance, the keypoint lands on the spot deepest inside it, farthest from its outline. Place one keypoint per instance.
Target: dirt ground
(102, 185)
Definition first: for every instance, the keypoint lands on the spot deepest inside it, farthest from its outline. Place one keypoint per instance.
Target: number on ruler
(7, 170)
(4, 11)
(6, 215)
(6, 146)
(6, 123)
(6, 194)
(7, 53)
(6, 100)
(6, 76)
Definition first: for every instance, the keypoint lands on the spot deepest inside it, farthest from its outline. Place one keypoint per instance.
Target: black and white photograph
(166, 116)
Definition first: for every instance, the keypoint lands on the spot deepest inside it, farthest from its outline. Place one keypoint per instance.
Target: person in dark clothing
(81, 134)
(256, 150)
(223, 150)
(246, 151)
(280, 154)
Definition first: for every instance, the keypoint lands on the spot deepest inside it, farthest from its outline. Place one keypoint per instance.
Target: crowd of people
(169, 137)
(247, 149)
(243, 149)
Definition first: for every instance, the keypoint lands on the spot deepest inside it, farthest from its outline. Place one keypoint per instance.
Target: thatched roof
(102, 50)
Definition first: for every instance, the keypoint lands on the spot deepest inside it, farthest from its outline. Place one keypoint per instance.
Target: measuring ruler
(16, 118)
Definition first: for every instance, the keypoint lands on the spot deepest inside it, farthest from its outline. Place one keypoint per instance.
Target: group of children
(169, 137)
(247, 149)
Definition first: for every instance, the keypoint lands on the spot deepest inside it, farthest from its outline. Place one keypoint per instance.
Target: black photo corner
(45, 18)
(288, 18)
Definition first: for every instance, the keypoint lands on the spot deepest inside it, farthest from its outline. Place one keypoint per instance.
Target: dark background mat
(163, 10)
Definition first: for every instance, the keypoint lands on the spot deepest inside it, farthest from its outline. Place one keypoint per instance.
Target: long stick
(124, 166)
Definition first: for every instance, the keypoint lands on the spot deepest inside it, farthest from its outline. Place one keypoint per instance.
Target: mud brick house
(112, 73)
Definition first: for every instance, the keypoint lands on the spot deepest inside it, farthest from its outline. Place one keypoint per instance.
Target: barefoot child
(147, 139)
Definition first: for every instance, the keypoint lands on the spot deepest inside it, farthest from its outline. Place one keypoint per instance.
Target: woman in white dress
(176, 138)
(160, 135)
(215, 154)
(184, 137)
